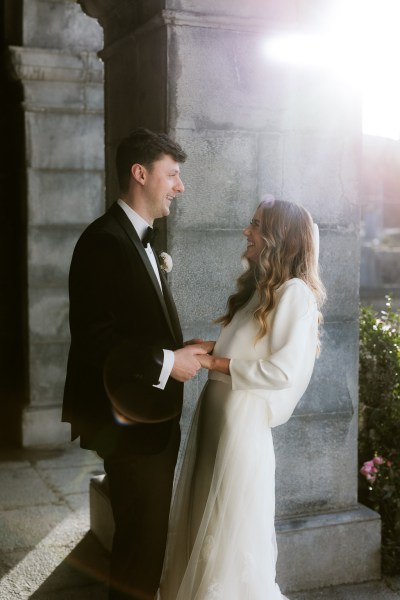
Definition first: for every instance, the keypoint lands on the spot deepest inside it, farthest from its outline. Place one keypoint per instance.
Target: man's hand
(207, 345)
(186, 364)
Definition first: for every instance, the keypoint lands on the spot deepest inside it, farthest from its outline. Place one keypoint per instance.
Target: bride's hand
(205, 360)
(214, 363)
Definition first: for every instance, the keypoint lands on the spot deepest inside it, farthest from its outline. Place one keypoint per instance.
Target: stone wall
(62, 87)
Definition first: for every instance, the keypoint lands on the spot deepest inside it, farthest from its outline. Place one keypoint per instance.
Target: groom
(119, 295)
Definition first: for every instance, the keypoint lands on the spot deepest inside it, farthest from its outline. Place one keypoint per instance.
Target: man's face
(162, 184)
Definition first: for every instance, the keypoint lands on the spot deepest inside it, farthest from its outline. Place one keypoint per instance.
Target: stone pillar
(251, 127)
(62, 83)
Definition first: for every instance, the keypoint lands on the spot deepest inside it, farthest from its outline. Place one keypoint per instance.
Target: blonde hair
(289, 252)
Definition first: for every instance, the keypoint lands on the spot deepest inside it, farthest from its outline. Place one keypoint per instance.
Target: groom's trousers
(140, 492)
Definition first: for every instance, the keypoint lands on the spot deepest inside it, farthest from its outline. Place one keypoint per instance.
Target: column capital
(116, 17)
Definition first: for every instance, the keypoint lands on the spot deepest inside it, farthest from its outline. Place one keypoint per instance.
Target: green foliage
(379, 425)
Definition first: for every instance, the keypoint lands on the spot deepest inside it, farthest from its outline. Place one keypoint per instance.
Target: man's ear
(138, 173)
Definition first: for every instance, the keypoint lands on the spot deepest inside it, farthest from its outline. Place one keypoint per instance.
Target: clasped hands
(194, 355)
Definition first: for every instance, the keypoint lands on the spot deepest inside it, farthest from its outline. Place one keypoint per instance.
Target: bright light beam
(362, 46)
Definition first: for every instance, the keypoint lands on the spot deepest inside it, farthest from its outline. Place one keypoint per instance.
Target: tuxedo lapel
(169, 301)
(166, 301)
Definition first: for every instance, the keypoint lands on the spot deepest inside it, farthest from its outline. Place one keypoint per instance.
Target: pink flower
(368, 468)
(378, 460)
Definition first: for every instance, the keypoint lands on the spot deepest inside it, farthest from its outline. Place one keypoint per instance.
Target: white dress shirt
(141, 226)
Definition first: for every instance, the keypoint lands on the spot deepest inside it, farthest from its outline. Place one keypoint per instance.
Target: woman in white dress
(221, 544)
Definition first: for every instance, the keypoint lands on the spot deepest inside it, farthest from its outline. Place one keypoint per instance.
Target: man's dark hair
(144, 147)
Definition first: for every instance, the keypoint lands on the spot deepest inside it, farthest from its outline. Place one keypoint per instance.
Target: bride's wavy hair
(289, 251)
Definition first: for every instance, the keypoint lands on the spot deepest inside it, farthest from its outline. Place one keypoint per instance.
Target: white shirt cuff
(169, 359)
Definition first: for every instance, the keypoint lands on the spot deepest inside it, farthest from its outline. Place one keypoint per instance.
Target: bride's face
(255, 241)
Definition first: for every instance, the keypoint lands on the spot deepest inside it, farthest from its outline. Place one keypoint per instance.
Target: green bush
(379, 425)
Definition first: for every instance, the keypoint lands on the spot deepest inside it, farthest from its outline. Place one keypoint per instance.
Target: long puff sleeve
(292, 341)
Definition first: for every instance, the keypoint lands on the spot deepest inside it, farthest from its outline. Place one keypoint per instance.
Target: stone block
(68, 96)
(222, 81)
(66, 26)
(204, 272)
(94, 97)
(361, 591)
(323, 103)
(333, 386)
(220, 177)
(314, 170)
(252, 9)
(47, 368)
(307, 560)
(65, 197)
(339, 262)
(101, 517)
(80, 146)
(41, 426)
(54, 94)
(48, 314)
(49, 254)
(316, 460)
(49, 64)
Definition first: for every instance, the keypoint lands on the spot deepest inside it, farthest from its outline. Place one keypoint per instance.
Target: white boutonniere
(166, 263)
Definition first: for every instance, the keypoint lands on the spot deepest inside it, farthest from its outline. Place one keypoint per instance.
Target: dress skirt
(221, 543)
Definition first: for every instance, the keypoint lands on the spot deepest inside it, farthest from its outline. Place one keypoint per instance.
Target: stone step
(314, 551)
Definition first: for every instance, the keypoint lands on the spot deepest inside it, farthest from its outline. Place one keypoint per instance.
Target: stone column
(251, 126)
(62, 82)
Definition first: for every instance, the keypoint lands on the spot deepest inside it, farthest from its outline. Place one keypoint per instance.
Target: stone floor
(47, 551)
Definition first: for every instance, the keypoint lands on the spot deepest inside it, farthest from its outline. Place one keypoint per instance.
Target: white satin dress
(221, 543)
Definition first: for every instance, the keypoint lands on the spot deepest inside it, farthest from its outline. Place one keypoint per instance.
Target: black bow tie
(149, 236)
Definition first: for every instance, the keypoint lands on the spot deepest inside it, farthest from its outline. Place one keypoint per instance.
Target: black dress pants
(140, 492)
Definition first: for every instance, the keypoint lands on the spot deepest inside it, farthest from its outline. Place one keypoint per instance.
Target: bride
(221, 543)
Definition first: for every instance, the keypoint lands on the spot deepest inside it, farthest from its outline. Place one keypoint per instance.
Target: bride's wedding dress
(221, 544)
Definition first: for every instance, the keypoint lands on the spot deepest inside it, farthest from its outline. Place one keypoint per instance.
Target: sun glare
(362, 46)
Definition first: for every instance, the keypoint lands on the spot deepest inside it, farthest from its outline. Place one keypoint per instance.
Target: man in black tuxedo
(119, 295)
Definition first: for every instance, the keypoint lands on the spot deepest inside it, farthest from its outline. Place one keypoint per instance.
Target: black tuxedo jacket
(115, 297)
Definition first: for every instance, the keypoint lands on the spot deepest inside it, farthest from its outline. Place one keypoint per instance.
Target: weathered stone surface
(65, 197)
(313, 169)
(220, 186)
(50, 65)
(309, 479)
(26, 527)
(253, 9)
(339, 262)
(13, 486)
(69, 96)
(48, 365)
(333, 387)
(41, 426)
(327, 548)
(48, 314)
(49, 254)
(235, 88)
(70, 480)
(80, 146)
(70, 27)
(206, 264)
